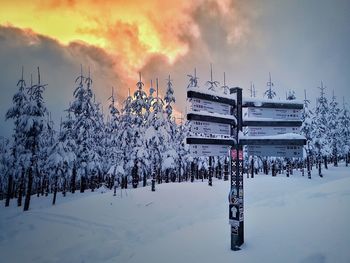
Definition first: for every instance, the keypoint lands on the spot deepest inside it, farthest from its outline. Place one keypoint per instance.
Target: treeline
(140, 143)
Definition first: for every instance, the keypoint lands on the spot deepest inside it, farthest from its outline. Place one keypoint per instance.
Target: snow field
(286, 220)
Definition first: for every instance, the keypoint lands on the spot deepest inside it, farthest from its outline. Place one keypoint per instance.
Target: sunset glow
(131, 31)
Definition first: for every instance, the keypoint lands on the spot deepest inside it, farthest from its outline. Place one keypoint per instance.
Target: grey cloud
(59, 66)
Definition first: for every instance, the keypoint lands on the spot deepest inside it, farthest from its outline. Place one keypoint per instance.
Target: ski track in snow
(286, 220)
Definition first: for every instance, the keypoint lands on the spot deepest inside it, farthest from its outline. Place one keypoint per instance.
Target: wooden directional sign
(262, 131)
(276, 151)
(211, 141)
(209, 106)
(261, 141)
(248, 102)
(210, 128)
(273, 113)
(267, 125)
(210, 124)
(209, 150)
(200, 101)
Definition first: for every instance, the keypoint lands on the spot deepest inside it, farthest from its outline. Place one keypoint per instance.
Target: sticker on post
(234, 222)
(234, 212)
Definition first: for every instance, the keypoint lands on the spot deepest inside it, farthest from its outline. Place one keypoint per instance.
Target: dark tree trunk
(126, 182)
(335, 158)
(29, 189)
(82, 184)
(47, 187)
(144, 181)
(273, 169)
(38, 188)
(308, 167)
(135, 179)
(43, 180)
(64, 187)
(193, 168)
(9, 190)
(180, 168)
(210, 180)
(92, 183)
(320, 168)
(55, 190)
(325, 162)
(21, 189)
(74, 176)
(167, 176)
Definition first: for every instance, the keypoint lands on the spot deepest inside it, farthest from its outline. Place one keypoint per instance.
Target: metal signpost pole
(236, 214)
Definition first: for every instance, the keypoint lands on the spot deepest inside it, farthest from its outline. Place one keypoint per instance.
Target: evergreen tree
(344, 132)
(18, 151)
(193, 81)
(85, 128)
(139, 153)
(307, 131)
(320, 128)
(291, 95)
(212, 84)
(169, 98)
(33, 123)
(333, 128)
(125, 137)
(270, 93)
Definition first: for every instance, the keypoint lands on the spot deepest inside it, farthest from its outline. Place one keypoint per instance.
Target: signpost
(221, 117)
(216, 124)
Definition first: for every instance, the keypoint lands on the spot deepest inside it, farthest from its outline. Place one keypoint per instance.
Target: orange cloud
(155, 36)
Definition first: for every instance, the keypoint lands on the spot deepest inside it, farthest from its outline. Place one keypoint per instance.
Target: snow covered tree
(67, 136)
(291, 95)
(125, 137)
(193, 81)
(139, 153)
(112, 152)
(333, 128)
(33, 123)
(169, 98)
(212, 84)
(61, 160)
(85, 128)
(225, 88)
(320, 128)
(270, 93)
(344, 132)
(6, 163)
(17, 112)
(307, 130)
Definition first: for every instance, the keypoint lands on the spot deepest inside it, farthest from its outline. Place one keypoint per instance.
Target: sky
(300, 42)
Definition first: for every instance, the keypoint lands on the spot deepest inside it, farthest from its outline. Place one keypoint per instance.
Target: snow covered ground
(286, 220)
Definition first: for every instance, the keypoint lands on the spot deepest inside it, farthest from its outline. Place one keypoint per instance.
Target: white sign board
(210, 106)
(262, 131)
(210, 127)
(276, 151)
(209, 150)
(280, 114)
